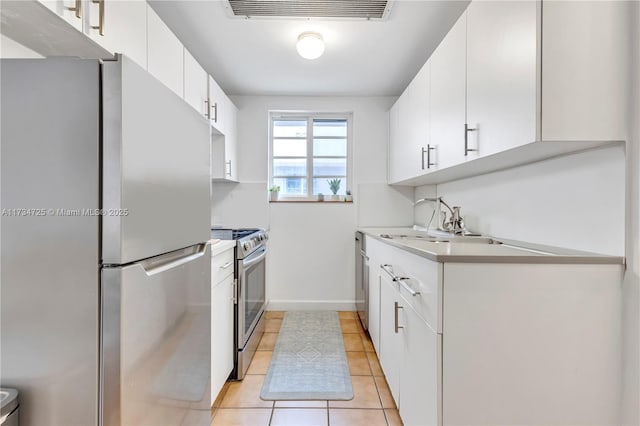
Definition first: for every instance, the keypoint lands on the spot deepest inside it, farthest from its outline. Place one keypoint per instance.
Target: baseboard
(311, 305)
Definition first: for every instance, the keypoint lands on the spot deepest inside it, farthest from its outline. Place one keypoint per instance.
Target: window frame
(310, 116)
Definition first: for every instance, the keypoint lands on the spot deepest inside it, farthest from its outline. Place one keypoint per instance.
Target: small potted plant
(334, 186)
(274, 191)
(348, 197)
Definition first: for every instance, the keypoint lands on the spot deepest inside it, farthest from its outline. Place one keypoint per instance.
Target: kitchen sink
(452, 239)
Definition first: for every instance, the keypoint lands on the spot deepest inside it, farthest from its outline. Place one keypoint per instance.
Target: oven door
(251, 293)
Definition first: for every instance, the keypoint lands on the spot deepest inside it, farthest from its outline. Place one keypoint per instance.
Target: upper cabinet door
(165, 53)
(447, 100)
(217, 100)
(502, 62)
(71, 10)
(585, 70)
(120, 27)
(195, 84)
(418, 130)
(399, 148)
(231, 139)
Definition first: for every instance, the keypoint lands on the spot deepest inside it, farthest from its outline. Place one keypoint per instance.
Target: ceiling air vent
(342, 9)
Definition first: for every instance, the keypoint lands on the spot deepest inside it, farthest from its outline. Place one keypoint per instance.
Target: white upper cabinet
(399, 148)
(217, 100)
(447, 96)
(195, 84)
(585, 70)
(409, 152)
(165, 53)
(120, 26)
(515, 82)
(501, 75)
(71, 10)
(224, 165)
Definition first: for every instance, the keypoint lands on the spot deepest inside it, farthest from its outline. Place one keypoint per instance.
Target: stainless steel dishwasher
(362, 280)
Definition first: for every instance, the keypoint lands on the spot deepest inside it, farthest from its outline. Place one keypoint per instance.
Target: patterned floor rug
(309, 361)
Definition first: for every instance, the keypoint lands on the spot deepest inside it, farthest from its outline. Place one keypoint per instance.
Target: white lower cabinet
(390, 352)
(222, 302)
(420, 371)
(497, 343)
(409, 355)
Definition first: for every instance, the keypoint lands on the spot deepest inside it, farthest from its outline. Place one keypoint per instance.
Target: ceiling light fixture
(310, 45)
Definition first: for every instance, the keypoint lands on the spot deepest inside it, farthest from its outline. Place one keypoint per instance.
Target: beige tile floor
(239, 403)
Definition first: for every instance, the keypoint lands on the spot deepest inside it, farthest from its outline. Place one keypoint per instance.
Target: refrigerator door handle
(172, 260)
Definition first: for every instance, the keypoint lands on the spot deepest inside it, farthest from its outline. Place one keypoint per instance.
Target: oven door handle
(251, 260)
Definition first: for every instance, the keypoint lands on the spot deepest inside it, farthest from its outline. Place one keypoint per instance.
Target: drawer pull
(396, 307)
(389, 270)
(406, 286)
(226, 265)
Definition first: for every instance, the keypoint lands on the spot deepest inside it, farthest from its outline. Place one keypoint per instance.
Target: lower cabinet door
(221, 334)
(390, 336)
(420, 374)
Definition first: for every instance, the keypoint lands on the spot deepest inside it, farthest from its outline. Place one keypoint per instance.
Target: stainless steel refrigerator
(105, 267)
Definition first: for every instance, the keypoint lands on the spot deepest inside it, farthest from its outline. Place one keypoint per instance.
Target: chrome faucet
(455, 223)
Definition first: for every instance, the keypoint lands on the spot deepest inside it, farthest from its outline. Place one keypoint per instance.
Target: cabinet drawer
(222, 265)
(422, 276)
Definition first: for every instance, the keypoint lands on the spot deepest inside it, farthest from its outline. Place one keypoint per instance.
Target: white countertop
(219, 246)
(506, 251)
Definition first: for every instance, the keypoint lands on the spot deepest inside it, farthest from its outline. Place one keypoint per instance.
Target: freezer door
(156, 181)
(156, 340)
(49, 257)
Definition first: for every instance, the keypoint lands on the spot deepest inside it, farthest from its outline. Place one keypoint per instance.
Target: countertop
(219, 246)
(508, 251)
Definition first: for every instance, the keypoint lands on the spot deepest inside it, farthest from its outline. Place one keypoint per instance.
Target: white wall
(575, 201)
(311, 246)
(631, 284)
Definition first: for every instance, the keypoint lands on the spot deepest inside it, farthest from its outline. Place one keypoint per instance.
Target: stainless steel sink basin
(404, 237)
(452, 239)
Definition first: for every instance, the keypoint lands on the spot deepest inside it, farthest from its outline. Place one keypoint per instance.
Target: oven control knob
(246, 245)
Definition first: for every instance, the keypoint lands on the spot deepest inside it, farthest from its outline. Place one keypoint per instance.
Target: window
(307, 151)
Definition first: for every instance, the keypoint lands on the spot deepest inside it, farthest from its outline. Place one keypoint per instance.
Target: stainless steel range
(250, 257)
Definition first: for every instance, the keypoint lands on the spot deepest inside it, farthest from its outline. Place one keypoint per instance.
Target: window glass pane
(289, 167)
(321, 185)
(329, 127)
(289, 147)
(330, 147)
(289, 128)
(329, 166)
(291, 186)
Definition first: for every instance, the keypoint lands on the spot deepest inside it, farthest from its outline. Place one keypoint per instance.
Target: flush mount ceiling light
(310, 45)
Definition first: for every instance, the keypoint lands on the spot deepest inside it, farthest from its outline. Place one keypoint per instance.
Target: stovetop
(249, 239)
(232, 234)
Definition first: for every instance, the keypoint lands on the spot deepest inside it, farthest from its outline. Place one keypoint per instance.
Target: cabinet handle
(468, 129)
(364, 255)
(226, 265)
(215, 112)
(428, 152)
(396, 307)
(406, 286)
(100, 26)
(229, 163)
(77, 9)
(207, 109)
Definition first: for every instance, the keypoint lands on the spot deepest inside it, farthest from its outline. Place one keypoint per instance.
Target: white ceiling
(362, 58)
